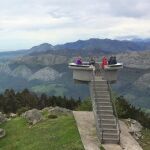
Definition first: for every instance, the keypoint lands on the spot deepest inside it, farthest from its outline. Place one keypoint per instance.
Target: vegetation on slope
(126, 110)
(86, 105)
(51, 134)
(55, 89)
(24, 100)
(145, 139)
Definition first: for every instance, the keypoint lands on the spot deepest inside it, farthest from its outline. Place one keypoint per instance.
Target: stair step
(108, 135)
(99, 82)
(104, 108)
(102, 99)
(106, 116)
(111, 140)
(108, 126)
(104, 112)
(103, 92)
(107, 121)
(98, 95)
(101, 96)
(105, 103)
(109, 131)
(100, 87)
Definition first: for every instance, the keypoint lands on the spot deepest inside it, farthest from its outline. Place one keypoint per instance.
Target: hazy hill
(102, 44)
(91, 46)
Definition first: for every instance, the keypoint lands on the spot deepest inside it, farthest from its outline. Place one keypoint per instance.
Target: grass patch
(145, 140)
(102, 148)
(51, 134)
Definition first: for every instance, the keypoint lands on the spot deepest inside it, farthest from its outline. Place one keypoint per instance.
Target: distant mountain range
(82, 47)
(44, 68)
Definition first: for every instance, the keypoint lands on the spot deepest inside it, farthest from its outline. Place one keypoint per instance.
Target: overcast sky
(25, 23)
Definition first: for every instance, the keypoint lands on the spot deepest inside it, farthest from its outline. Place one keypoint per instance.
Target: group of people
(112, 60)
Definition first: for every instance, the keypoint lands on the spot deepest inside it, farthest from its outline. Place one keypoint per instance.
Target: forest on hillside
(18, 102)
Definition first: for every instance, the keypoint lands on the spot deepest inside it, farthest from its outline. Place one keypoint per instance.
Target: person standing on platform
(104, 62)
(79, 61)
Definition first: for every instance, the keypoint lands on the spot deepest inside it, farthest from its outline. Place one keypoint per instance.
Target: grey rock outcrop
(135, 59)
(2, 133)
(4, 68)
(59, 111)
(2, 118)
(22, 71)
(33, 116)
(48, 59)
(135, 128)
(45, 74)
(12, 115)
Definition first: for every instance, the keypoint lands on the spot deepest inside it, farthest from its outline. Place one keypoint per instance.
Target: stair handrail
(94, 102)
(114, 109)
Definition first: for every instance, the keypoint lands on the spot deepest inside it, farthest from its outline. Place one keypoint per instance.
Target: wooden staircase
(106, 121)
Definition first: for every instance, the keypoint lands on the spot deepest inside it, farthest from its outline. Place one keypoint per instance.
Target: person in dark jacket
(114, 61)
(92, 61)
(110, 60)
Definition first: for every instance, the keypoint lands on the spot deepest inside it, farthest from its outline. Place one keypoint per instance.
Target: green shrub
(22, 110)
(85, 105)
(52, 116)
(126, 110)
(102, 148)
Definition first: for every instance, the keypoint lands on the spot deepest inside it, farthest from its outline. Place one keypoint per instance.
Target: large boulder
(33, 116)
(135, 128)
(12, 115)
(2, 118)
(2, 133)
(59, 111)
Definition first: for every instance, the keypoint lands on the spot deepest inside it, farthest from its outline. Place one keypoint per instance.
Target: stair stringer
(106, 124)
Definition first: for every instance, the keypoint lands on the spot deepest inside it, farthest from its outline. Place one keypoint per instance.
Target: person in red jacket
(104, 62)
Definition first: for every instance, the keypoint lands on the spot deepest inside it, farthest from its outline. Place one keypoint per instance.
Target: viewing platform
(85, 71)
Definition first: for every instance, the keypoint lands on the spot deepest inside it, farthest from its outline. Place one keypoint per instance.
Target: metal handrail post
(94, 101)
(114, 108)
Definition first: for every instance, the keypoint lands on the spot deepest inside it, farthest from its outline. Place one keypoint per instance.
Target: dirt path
(86, 126)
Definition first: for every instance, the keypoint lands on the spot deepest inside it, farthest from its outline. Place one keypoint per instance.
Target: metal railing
(114, 109)
(94, 89)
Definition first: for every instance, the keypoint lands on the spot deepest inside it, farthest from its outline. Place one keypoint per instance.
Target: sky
(26, 23)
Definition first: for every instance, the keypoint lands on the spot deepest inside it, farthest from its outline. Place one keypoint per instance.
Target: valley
(44, 69)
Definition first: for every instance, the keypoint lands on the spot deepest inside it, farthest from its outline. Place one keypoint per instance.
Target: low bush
(85, 105)
(126, 110)
(52, 116)
(22, 110)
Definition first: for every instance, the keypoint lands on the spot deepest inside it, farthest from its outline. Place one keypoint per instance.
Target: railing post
(94, 110)
(114, 109)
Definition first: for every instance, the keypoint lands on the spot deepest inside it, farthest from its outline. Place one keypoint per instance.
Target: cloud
(32, 22)
(130, 8)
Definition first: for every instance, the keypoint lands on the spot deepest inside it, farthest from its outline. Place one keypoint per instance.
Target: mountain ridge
(92, 45)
